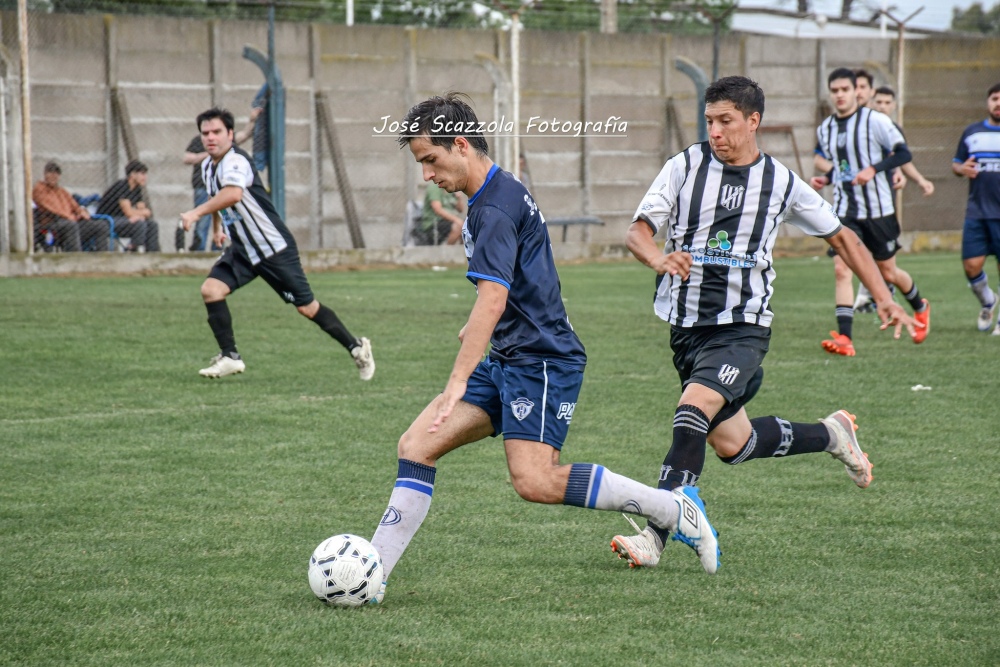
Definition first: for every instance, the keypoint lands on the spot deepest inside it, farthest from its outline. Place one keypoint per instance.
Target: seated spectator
(125, 201)
(58, 213)
(443, 215)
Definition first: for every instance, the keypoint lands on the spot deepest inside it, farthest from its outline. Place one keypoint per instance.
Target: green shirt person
(443, 211)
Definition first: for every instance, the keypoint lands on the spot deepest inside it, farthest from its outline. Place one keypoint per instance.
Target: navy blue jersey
(982, 141)
(506, 241)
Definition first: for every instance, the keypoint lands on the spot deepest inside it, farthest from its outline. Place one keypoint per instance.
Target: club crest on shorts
(521, 407)
(728, 374)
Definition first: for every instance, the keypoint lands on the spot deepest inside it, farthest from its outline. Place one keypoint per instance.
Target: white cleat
(996, 330)
(222, 366)
(847, 449)
(642, 550)
(985, 319)
(864, 303)
(694, 530)
(363, 359)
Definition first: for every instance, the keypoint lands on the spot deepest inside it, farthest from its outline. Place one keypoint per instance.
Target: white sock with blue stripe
(408, 506)
(596, 487)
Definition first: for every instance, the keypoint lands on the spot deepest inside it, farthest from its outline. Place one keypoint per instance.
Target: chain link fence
(112, 83)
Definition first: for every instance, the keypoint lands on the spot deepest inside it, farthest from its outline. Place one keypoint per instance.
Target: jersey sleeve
(495, 251)
(962, 152)
(885, 131)
(820, 146)
(808, 211)
(235, 170)
(659, 202)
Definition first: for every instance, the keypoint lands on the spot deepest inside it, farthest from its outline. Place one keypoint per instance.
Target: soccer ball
(346, 571)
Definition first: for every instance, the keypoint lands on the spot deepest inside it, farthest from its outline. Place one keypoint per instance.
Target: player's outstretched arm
(224, 198)
(489, 307)
(925, 185)
(856, 256)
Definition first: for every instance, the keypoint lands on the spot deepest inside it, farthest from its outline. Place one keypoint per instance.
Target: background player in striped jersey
(527, 387)
(261, 246)
(720, 204)
(978, 159)
(863, 145)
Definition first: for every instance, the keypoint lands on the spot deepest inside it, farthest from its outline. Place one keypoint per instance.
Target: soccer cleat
(996, 329)
(693, 528)
(864, 303)
(985, 320)
(839, 344)
(378, 596)
(923, 317)
(642, 550)
(363, 359)
(222, 366)
(847, 449)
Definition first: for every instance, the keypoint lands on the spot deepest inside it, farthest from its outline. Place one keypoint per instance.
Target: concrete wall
(170, 69)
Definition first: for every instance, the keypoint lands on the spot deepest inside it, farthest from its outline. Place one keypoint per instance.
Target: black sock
(221, 323)
(773, 436)
(328, 321)
(686, 458)
(845, 320)
(913, 297)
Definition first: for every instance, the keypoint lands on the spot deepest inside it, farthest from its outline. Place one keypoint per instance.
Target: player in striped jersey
(863, 145)
(720, 204)
(261, 246)
(978, 159)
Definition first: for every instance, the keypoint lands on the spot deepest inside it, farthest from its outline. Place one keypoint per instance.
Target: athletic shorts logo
(727, 374)
(566, 412)
(521, 408)
(391, 517)
(288, 296)
(731, 197)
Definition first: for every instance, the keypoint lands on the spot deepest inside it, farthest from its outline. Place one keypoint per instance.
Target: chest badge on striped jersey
(731, 197)
(521, 407)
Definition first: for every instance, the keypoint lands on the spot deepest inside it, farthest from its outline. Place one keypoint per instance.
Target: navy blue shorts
(533, 402)
(282, 271)
(980, 237)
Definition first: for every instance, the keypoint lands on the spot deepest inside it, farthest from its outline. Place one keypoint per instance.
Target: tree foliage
(977, 19)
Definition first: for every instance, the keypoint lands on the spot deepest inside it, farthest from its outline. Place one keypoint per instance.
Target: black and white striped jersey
(727, 218)
(254, 226)
(860, 140)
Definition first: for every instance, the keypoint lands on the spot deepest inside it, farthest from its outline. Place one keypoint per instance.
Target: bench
(565, 223)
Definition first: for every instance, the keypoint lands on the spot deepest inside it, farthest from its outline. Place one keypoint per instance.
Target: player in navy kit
(527, 387)
(978, 159)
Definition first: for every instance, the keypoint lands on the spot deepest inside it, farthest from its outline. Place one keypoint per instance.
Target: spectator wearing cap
(125, 201)
(58, 213)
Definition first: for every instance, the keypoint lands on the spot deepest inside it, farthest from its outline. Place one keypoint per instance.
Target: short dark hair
(885, 90)
(53, 166)
(743, 92)
(442, 119)
(134, 166)
(863, 74)
(224, 115)
(994, 89)
(842, 73)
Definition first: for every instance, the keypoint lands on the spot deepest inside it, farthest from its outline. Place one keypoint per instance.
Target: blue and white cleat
(693, 528)
(985, 319)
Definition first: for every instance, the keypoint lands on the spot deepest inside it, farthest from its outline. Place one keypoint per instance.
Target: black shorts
(282, 271)
(726, 358)
(880, 236)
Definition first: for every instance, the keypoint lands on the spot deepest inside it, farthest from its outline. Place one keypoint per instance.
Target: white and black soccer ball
(346, 571)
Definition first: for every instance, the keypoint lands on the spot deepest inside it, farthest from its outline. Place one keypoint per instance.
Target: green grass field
(151, 517)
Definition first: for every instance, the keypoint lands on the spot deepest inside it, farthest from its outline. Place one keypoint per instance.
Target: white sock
(981, 288)
(408, 506)
(598, 488)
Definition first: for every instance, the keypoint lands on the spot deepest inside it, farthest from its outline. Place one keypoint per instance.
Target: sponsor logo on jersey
(521, 407)
(531, 204)
(718, 250)
(728, 374)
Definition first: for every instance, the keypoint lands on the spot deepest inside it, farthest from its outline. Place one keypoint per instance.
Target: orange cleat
(924, 317)
(839, 344)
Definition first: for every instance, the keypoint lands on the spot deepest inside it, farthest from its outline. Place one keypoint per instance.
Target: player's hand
(219, 236)
(188, 218)
(893, 315)
(927, 187)
(452, 394)
(677, 263)
(818, 182)
(898, 180)
(461, 334)
(863, 176)
(970, 168)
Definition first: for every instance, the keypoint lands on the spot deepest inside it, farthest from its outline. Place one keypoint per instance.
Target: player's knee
(213, 290)
(534, 487)
(725, 447)
(841, 271)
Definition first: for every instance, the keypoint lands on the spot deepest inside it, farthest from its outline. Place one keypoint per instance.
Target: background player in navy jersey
(526, 389)
(863, 146)
(261, 246)
(978, 159)
(720, 204)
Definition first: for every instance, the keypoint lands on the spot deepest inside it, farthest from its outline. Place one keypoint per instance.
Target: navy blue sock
(221, 322)
(913, 297)
(845, 320)
(772, 437)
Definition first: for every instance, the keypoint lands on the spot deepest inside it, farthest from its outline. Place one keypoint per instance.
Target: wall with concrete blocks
(170, 69)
